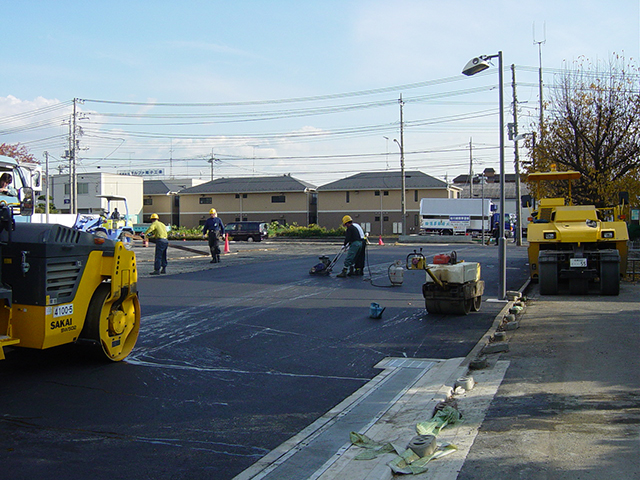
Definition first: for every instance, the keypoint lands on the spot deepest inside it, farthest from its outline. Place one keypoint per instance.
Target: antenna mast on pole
(540, 43)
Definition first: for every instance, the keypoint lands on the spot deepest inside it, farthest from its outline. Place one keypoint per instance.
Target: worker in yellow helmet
(354, 238)
(158, 230)
(215, 228)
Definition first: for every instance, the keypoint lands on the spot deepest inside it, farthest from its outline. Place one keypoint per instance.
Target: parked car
(249, 231)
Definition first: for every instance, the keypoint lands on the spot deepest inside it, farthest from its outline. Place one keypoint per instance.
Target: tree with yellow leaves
(592, 126)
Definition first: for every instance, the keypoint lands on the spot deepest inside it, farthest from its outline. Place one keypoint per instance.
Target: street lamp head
(475, 65)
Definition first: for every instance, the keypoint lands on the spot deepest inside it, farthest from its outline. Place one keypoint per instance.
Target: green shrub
(182, 233)
(275, 230)
(297, 231)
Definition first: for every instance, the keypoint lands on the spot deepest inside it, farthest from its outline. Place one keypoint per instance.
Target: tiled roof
(492, 190)
(283, 183)
(382, 180)
(161, 187)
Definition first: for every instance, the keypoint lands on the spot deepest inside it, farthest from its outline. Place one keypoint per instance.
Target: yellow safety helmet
(346, 219)
(154, 216)
(213, 212)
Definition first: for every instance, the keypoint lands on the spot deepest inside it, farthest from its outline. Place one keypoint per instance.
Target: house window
(83, 188)
(386, 193)
(244, 195)
(415, 195)
(278, 199)
(206, 200)
(147, 201)
(347, 197)
(377, 219)
(377, 193)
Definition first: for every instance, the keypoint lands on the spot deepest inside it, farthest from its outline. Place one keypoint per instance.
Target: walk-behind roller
(452, 287)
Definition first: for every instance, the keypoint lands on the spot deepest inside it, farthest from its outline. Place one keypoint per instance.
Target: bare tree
(593, 127)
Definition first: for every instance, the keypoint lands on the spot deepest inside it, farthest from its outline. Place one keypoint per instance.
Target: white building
(91, 185)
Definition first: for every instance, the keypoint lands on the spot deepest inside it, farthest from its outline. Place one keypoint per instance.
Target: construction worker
(354, 238)
(158, 230)
(215, 228)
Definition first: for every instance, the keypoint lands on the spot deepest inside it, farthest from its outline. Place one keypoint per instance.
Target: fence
(633, 261)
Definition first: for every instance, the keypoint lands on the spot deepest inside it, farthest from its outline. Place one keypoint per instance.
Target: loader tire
(610, 278)
(548, 277)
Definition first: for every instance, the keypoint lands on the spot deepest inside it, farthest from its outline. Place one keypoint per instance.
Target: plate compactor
(452, 286)
(325, 266)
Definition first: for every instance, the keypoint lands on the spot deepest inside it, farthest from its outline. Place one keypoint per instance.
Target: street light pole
(404, 207)
(401, 145)
(474, 66)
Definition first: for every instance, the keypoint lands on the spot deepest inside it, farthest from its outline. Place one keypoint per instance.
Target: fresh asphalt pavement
(233, 359)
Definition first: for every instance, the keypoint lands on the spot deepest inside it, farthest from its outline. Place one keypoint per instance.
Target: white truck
(25, 180)
(455, 216)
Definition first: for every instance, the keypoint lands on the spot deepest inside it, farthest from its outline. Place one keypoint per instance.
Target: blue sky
(220, 78)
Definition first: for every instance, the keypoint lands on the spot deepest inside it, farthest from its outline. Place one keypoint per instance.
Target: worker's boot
(155, 272)
(343, 273)
(359, 272)
(214, 259)
(217, 258)
(164, 270)
(352, 272)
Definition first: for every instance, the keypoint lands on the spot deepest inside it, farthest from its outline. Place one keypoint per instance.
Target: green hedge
(182, 233)
(275, 230)
(297, 231)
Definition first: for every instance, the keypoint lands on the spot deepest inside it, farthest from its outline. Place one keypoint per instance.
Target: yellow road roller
(59, 285)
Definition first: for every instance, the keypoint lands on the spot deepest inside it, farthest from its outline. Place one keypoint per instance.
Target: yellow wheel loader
(59, 285)
(576, 246)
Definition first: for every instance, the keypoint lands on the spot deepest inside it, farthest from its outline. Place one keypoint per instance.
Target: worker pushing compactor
(354, 238)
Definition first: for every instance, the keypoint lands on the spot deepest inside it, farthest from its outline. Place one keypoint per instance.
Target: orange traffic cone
(226, 244)
(380, 242)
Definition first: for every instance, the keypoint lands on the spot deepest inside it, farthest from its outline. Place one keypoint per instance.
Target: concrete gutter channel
(390, 406)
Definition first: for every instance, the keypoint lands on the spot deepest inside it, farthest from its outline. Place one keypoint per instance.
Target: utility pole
(540, 74)
(516, 158)
(404, 200)
(482, 178)
(470, 167)
(212, 161)
(46, 185)
(74, 178)
(70, 154)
